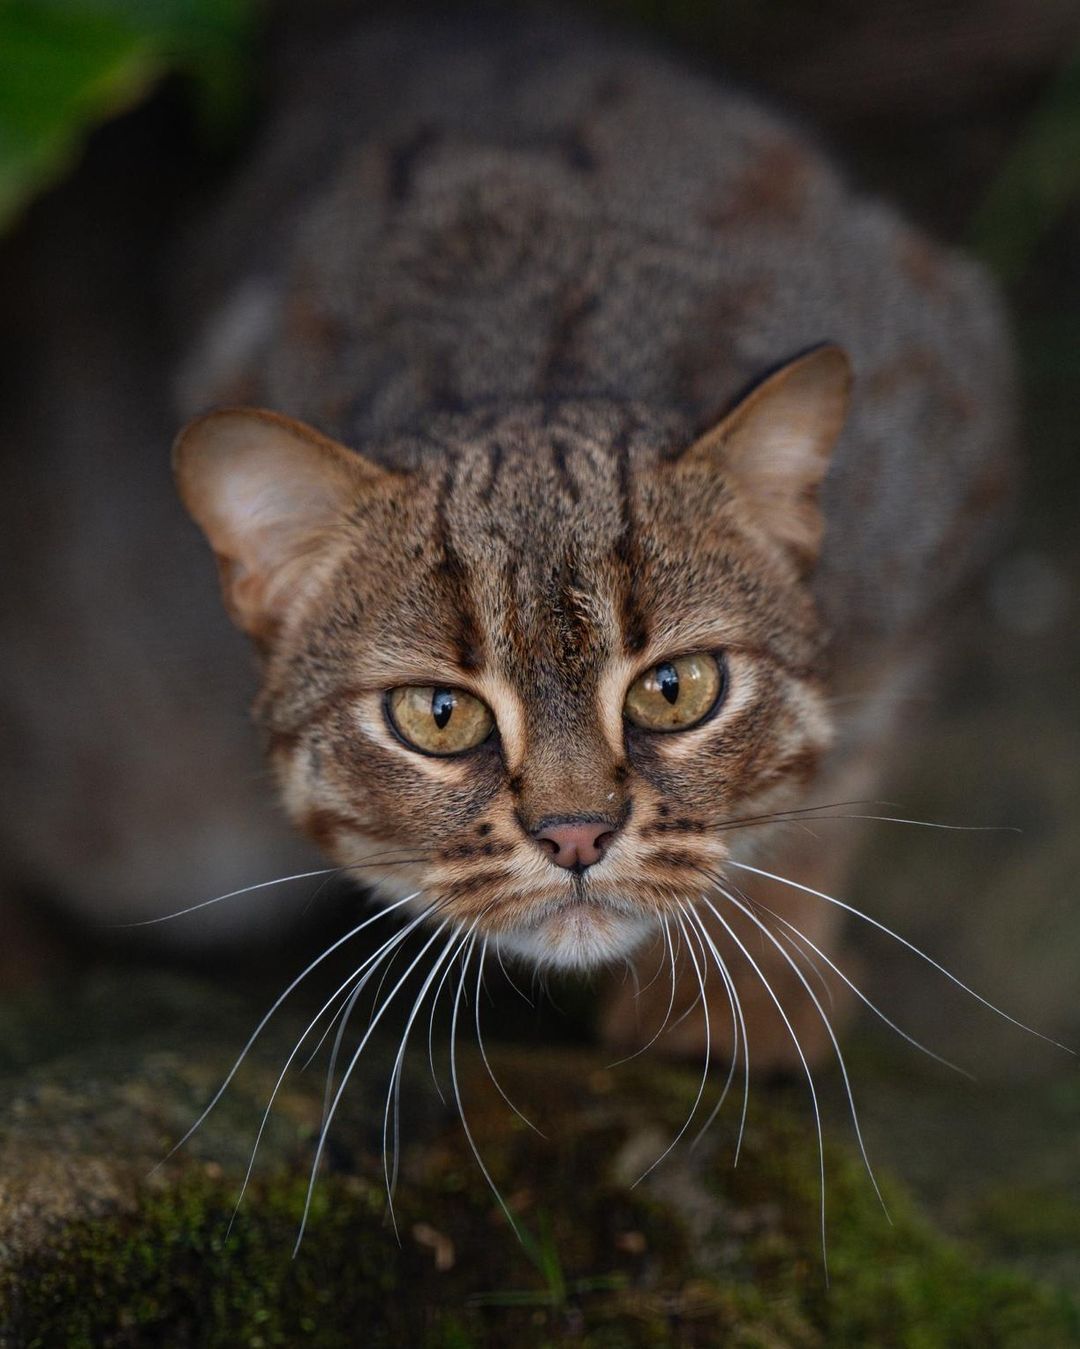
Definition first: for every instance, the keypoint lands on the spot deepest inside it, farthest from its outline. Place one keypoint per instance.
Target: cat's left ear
(775, 446)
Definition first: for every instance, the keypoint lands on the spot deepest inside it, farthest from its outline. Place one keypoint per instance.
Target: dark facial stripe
(465, 631)
(627, 550)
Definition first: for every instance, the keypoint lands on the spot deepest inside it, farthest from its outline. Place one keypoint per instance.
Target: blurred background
(119, 119)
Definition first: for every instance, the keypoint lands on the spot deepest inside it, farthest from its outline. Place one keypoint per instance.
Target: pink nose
(576, 845)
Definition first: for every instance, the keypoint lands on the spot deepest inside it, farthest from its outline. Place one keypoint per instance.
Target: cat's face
(533, 677)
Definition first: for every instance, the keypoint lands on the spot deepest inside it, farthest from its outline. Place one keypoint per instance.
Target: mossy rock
(99, 1249)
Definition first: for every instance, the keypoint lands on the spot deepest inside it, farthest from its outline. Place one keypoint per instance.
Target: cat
(618, 450)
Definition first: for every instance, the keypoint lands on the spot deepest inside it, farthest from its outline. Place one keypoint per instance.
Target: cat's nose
(576, 844)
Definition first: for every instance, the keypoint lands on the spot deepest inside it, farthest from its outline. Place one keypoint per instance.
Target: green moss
(699, 1254)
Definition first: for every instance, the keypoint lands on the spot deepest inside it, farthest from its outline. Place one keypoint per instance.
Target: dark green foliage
(66, 65)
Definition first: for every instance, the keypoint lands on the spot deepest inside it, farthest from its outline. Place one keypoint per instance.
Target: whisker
(828, 1028)
(524, 996)
(739, 1036)
(659, 971)
(862, 996)
(776, 816)
(368, 860)
(705, 1070)
(457, 1096)
(354, 991)
(455, 942)
(389, 948)
(671, 1000)
(849, 908)
(431, 1063)
(929, 824)
(431, 1028)
(389, 908)
(630, 972)
(371, 961)
(696, 929)
(483, 1052)
(800, 953)
(232, 894)
(373, 1022)
(802, 1058)
(682, 935)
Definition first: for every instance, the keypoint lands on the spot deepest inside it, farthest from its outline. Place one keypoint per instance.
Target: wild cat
(602, 444)
(595, 472)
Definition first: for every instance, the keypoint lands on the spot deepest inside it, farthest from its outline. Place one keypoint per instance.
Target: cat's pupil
(442, 706)
(668, 679)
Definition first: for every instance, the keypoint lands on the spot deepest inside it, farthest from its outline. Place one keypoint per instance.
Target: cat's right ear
(271, 495)
(774, 447)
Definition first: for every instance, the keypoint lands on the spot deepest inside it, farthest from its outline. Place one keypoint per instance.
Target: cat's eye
(439, 720)
(676, 694)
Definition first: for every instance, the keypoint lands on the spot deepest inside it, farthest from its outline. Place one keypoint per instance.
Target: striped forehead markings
(465, 633)
(634, 623)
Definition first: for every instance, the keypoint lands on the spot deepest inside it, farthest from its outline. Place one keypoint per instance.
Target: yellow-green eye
(676, 694)
(439, 720)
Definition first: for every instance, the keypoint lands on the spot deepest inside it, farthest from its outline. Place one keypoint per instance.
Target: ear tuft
(775, 446)
(269, 493)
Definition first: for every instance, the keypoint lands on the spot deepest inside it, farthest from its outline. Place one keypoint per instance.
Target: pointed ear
(775, 446)
(269, 494)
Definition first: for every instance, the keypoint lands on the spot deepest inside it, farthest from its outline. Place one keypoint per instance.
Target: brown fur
(523, 305)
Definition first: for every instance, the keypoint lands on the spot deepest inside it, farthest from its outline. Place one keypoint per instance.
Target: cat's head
(532, 675)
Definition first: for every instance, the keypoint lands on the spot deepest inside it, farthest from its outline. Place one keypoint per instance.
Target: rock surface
(99, 1249)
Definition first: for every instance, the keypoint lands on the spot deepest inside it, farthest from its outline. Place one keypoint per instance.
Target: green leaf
(68, 65)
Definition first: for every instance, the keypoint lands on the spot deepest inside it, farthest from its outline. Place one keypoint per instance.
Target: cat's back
(447, 215)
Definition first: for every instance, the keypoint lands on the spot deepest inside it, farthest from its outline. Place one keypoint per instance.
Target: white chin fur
(578, 937)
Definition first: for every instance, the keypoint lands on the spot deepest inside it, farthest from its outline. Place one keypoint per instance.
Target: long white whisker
(644, 988)
(431, 1025)
(368, 860)
(705, 1070)
(929, 824)
(457, 1095)
(695, 929)
(779, 816)
(435, 1003)
(850, 908)
(699, 996)
(862, 996)
(739, 1036)
(390, 948)
(232, 894)
(259, 1028)
(671, 1000)
(521, 994)
(483, 1052)
(801, 953)
(802, 1058)
(343, 1015)
(375, 1019)
(771, 937)
(455, 940)
(371, 961)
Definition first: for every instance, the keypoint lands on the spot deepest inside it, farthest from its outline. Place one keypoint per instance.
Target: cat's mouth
(579, 931)
(561, 921)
